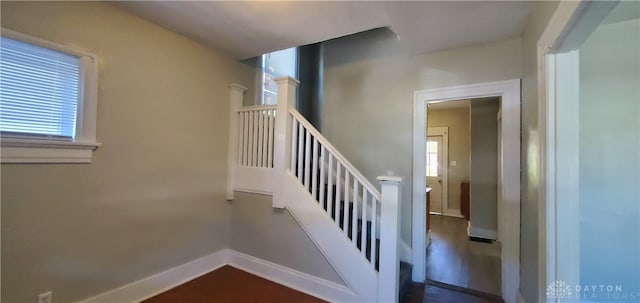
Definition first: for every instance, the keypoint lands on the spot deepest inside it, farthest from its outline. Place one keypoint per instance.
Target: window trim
(23, 149)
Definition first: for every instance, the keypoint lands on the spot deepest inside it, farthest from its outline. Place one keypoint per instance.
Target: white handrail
(252, 108)
(335, 153)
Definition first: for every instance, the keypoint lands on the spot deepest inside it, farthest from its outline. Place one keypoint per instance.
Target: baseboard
(312, 285)
(163, 281)
(405, 252)
(520, 298)
(453, 213)
(482, 233)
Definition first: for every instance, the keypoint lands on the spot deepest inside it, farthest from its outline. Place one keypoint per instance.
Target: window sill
(46, 151)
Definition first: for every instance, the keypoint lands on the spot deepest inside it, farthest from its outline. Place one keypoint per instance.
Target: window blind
(39, 90)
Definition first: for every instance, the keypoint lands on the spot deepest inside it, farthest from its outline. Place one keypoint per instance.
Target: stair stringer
(350, 264)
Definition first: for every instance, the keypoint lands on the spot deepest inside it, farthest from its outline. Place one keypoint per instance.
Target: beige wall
(483, 192)
(538, 19)
(153, 198)
(274, 235)
(457, 120)
(369, 82)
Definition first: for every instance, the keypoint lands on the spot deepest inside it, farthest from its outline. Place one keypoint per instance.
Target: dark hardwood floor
(421, 293)
(453, 259)
(229, 284)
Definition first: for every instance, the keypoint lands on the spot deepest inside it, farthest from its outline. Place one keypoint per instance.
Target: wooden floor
(453, 259)
(420, 293)
(228, 284)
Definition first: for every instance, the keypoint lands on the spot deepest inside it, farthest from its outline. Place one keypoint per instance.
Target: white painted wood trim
(546, 191)
(312, 285)
(80, 150)
(509, 90)
(483, 233)
(254, 179)
(336, 154)
(358, 274)
(453, 213)
(236, 95)
(53, 153)
(419, 183)
(163, 281)
(252, 108)
(389, 271)
(405, 251)
(282, 142)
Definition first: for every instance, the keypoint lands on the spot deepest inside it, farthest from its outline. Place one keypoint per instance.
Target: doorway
(462, 189)
(589, 62)
(436, 169)
(509, 92)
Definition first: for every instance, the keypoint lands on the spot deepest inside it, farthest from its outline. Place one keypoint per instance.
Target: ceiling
(450, 104)
(245, 29)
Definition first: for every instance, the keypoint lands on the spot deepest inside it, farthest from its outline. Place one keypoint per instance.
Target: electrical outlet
(45, 297)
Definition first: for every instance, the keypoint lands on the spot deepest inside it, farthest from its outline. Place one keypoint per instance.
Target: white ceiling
(245, 29)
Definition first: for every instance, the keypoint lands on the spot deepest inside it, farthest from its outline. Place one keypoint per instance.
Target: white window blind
(39, 90)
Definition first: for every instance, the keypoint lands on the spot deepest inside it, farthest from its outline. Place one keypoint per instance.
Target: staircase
(275, 150)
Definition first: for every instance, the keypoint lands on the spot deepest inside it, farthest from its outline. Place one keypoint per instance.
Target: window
(47, 101)
(432, 158)
(274, 65)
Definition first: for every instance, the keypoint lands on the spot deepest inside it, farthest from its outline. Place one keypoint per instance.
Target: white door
(434, 173)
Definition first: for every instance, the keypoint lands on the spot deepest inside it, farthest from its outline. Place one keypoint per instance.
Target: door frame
(444, 132)
(558, 78)
(509, 91)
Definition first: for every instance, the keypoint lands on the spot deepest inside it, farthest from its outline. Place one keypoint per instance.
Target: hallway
(453, 259)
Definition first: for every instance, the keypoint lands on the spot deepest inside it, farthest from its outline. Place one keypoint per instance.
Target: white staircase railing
(255, 140)
(342, 192)
(285, 155)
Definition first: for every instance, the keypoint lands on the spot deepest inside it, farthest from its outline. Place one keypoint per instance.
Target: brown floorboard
(453, 259)
(421, 293)
(434, 294)
(229, 284)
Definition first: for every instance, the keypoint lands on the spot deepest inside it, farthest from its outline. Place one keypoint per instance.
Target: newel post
(282, 137)
(389, 271)
(236, 94)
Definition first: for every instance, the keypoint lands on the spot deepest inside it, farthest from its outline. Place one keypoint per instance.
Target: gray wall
(484, 165)
(457, 120)
(369, 82)
(154, 196)
(310, 88)
(538, 19)
(609, 164)
(274, 235)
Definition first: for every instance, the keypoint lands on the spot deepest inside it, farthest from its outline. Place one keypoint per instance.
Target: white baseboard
(482, 233)
(163, 281)
(291, 278)
(405, 252)
(453, 213)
